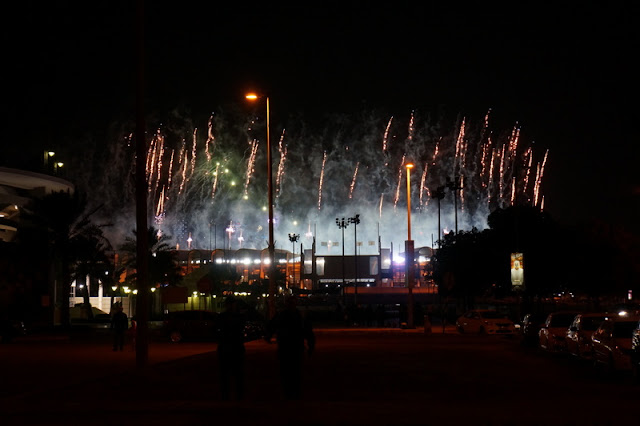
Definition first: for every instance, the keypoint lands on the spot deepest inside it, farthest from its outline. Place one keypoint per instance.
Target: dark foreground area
(364, 377)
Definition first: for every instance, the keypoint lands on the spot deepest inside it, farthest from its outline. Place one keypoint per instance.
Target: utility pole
(142, 243)
(439, 195)
(343, 223)
(455, 187)
(293, 238)
(355, 220)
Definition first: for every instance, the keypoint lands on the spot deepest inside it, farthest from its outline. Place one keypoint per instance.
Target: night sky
(567, 76)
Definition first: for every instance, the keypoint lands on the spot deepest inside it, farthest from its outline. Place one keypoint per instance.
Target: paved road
(368, 377)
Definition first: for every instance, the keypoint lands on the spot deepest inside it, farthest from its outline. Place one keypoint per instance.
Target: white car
(578, 340)
(612, 343)
(485, 321)
(553, 333)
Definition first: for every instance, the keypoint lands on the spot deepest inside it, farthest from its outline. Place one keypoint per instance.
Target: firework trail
(214, 185)
(411, 126)
(491, 167)
(170, 169)
(250, 167)
(539, 178)
(283, 157)
(461, 186)
(150, 162)
(397, 197)
(185, 166)
(486, 125)
(189, 188)
(159, 216)
(324, 162)
(459, 150)
(385, 139)
(194, 151)
(502, 167)
(435, 151)
(210, 140)
(528, 154)
(484, 164)
(353, 181)
(424, 189)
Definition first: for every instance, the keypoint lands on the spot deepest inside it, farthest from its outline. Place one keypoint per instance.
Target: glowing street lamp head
(252, 96)
(409, 165)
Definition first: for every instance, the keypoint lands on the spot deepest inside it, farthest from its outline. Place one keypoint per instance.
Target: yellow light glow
(251, 96)
(409, 166)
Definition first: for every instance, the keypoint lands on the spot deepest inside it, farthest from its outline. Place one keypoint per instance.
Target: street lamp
(272, 257)
(439, 195)
(47, 156)
(408, 252)
(293, 238)
(355, 220)
(455, 187)
(342, 223)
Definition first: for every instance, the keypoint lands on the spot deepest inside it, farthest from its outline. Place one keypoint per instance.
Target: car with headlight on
(612, 343)
(578, 338)
(485, 321)
(553, 333)
(635, 352)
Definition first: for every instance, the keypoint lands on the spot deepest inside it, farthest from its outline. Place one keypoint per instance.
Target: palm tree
(74, 240)
(163, 266)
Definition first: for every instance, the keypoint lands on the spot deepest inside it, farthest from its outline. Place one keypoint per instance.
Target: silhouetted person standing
(292, 329)
(119, 326)
(231, 349)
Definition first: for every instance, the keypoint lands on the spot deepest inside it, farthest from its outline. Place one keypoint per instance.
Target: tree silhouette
(163, 265)
(74, 241)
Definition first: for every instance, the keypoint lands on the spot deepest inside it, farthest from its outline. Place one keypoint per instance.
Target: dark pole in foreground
(342, 223)
(439, 195)
(272, 245)
(142, 243)
(294, 238)
(355, 220)
(408, 252)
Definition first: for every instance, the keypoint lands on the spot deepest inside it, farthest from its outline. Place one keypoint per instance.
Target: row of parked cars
(610, 340)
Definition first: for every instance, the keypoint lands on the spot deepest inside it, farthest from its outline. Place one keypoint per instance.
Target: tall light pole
(455, 187)
(408, 252)
(439, 195)
(342, 223)
(272, 257)
(355, 220)
(47, 156)
(293, 238)
(142, 244)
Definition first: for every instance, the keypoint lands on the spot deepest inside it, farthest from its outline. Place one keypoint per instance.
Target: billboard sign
(517, 271)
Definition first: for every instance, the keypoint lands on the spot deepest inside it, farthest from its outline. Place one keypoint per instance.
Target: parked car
(578, 338)
(612, 343)
(530, 327)
(635, 352)
(485, 321)
(191, 325)
(552, 334)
